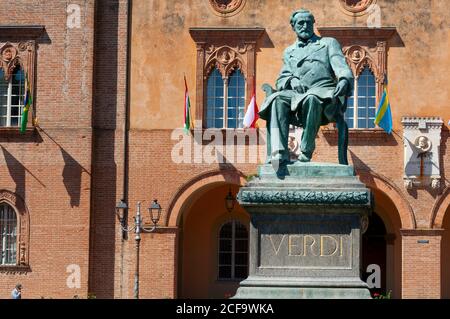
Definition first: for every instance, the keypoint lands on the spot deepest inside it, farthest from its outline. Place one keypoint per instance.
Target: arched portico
(192, 189)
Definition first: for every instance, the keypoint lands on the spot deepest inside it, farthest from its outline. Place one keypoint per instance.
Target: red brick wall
(51, 168)
(421, 264)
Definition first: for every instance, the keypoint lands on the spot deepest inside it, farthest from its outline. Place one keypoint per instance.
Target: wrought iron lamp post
(155, 214)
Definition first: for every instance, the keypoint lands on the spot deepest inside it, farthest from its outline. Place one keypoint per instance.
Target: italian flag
(187, 108)
(251, 116)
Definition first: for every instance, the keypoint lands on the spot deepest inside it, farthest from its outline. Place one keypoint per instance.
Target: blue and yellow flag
(384, 117)
(28, 101)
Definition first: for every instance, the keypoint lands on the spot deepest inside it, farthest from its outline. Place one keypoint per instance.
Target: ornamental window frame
(364, 47)
(224, 49)
(18, 48)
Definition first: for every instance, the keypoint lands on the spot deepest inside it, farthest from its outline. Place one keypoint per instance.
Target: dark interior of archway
(374, 251)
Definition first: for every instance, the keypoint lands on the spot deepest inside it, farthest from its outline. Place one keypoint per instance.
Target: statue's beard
(305, 35)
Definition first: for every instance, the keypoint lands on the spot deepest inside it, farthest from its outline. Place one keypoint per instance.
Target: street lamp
(155, 214)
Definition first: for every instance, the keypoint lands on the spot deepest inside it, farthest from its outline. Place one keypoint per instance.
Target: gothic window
(225, 100)
(233, 251)
(362, 104)
(8, 235)
(18, 48)
(366, 51)
(12, 95)
(225, 74)
(14, 233)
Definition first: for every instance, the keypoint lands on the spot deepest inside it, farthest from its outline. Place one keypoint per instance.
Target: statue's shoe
(278, 161)
(304, 158)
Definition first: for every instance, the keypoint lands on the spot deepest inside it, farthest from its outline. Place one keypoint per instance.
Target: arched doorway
(374, 254)
(381, 246)
(213, 245)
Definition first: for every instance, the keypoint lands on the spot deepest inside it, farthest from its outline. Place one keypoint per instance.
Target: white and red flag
(251, 116)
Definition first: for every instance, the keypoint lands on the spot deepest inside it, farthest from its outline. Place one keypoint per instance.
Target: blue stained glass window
(12, 96)
(231, 112)
(236, 98)
(366, 98)
(214, 100)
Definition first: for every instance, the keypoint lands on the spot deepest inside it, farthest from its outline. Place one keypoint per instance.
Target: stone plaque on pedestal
(305, 236)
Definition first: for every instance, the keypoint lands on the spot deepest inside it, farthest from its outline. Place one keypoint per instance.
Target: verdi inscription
(306, 250)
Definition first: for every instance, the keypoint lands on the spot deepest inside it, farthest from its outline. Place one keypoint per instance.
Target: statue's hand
(341, 88)
(295, 83)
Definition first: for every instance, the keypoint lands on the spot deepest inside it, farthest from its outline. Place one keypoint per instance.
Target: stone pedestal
(305, 236)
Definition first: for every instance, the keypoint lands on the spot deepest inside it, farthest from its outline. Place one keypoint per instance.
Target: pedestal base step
(301, 293)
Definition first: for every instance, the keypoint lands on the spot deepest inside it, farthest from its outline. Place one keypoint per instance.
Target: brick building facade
(108, 105)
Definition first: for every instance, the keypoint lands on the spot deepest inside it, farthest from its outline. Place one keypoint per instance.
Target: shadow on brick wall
(16, 171)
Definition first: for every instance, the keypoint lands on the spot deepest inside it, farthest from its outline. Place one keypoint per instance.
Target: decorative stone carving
(422, 139)
(356, 7)
(17, 54)
(22, 253)
(9, 59)
(358, 57)
(304, 197)
(227, 7)
(225, 59)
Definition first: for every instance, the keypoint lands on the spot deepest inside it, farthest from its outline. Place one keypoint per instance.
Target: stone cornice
(205, 34)
(380, 34)
(412, 122)
(21, 31)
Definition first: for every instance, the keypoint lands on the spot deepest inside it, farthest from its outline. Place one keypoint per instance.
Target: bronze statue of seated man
(311, 91)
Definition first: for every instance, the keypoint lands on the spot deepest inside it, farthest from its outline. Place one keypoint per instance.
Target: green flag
(26, 106)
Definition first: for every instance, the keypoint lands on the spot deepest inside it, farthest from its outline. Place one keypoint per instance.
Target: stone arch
(23, 224)
(406, 213)
(439, 208)
(186, 193)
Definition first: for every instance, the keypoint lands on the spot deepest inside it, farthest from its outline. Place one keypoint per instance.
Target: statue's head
(302, 22)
